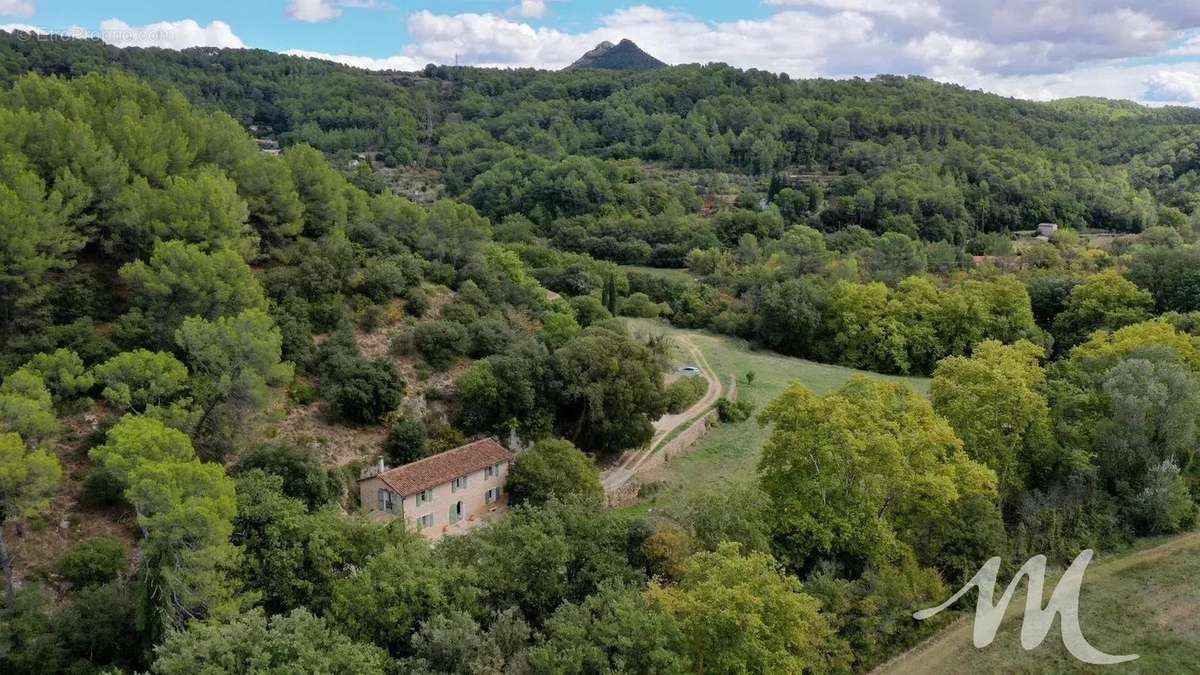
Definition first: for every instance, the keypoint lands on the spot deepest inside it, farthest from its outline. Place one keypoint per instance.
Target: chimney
(370, 471)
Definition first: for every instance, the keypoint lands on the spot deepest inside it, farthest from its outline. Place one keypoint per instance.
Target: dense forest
(173, 298)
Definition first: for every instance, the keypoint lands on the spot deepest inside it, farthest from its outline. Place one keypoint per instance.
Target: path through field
(633, 460)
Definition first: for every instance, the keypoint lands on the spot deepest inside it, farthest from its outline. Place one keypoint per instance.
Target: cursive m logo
(1064, 602)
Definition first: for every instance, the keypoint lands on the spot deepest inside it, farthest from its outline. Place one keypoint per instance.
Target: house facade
(446, 493)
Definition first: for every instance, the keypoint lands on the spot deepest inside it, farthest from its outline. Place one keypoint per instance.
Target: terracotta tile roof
(446, 466)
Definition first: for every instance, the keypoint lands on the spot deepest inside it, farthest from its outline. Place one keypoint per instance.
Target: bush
(407, 442)
(734, 411)
(1164, 505)
(93, 562)
(553, 469)
(684, 392)
(443, 437)
(489, 336)
(303, 476)
(640, 305)
(589, 310)
(359, 390)
(302, 393)
(441, 343)
(416, 302)
(101, 489)
(460, 312)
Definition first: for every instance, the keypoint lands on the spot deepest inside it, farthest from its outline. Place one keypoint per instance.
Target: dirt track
(632, 461)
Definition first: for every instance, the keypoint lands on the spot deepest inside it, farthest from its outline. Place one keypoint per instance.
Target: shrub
(359, 390)
(407, 442)
(553, 469)
(101, 489)
(640, 305)
(684, 392)
(443, 437)
(489, 336)
(302, 393)
(1164, 505)
(303, 476)
(589, 310)
(459, 312)
(93, 562)
(734, 411)
(416, 301)
(441, 343)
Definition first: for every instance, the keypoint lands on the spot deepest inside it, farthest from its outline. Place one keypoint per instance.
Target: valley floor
(729, 453)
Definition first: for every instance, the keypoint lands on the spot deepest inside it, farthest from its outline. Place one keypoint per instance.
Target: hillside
(932, 160)
(1143, 602)
(231, 281)
(625, 55)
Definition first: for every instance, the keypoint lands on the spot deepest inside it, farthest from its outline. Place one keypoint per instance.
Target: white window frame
(423, 497)
(489, 471)
(458, 484)
(423, 522)
(492, 496)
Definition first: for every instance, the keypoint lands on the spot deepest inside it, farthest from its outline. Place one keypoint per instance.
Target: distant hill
(625, 55)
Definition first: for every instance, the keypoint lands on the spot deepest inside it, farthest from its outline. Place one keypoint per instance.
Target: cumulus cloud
(922, 10)
(796, 42)
(319, 11)
(168, 34)
(17, 8)
(312, 11)
(365, 62)
(1173, 86)
(530, 9)
(1027, 48)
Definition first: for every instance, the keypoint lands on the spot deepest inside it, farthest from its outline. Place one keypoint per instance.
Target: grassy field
(730, 453)
(1146, 602)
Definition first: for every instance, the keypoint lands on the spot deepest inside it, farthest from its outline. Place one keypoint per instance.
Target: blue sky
(1145, 50)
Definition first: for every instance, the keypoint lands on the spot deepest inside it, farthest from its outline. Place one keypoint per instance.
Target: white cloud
(21, 28)
(1173, 86)
(365, 62)
(926, 10)
(1189, 47)
(318, 11)
(796, 42)
(312, 11)
(168, 34)
(1037, 49)
(17, 8)
(530, 9)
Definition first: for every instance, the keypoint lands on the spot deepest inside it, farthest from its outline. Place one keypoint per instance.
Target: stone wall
(683, 443)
